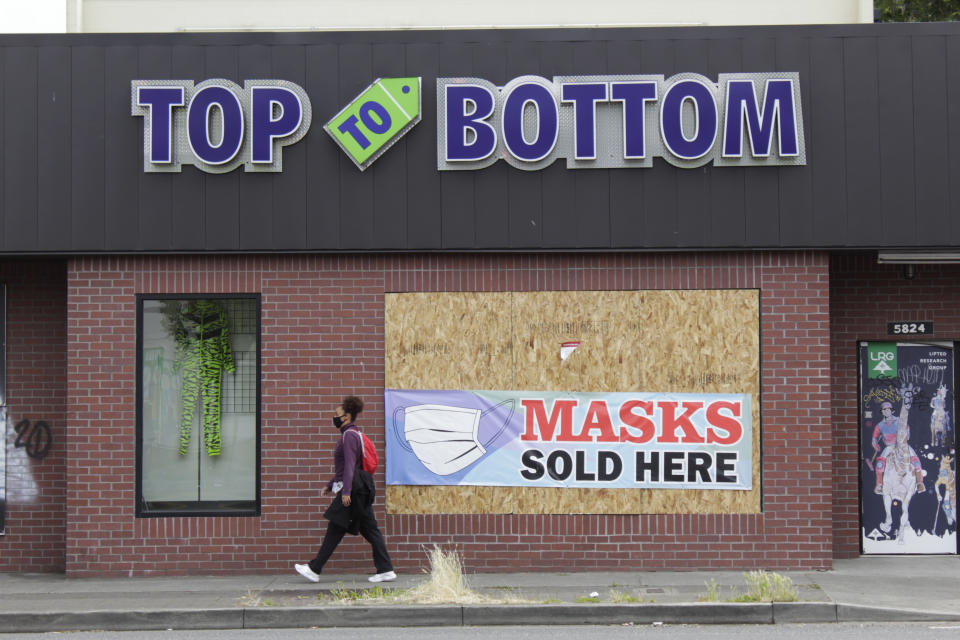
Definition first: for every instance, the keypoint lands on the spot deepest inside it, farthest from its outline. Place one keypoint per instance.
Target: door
(3, 408)
(907, 448)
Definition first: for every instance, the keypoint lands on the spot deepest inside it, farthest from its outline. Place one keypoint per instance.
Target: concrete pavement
(905, 588)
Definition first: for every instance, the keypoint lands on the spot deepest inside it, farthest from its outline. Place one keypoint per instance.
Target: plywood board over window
(696, 341)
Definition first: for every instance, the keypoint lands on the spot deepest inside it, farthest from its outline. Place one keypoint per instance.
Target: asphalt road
(843, 631)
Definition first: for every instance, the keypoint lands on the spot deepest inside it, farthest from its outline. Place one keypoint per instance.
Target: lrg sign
(216, 125)
(624, 121)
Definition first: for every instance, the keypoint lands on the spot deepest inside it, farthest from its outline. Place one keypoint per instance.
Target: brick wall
(864, 296)
(36, 392)
(322, 337)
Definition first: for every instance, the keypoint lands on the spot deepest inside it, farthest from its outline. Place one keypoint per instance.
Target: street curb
(563, 614)
(796, 612)
(863, 613)
(703, 613)
(121, 620)
(354, 616)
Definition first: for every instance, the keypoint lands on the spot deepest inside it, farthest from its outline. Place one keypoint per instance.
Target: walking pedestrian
(354, 492)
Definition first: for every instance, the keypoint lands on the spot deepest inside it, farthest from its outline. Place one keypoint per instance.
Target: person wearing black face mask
(354, 492)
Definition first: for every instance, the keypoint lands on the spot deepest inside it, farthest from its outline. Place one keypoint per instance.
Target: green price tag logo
(376, 119)
(881, 360)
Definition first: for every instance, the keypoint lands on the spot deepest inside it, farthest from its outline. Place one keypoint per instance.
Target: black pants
(368, 529)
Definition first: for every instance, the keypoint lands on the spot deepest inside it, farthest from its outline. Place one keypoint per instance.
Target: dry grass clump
(768, 587)
(771, 587)
(763, 587)
(446, 584)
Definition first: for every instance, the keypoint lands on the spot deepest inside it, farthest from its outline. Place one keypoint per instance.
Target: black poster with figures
(908, 499)
(3, 467)
(3, 408)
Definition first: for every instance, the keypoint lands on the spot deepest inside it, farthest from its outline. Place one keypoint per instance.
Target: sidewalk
(913, 588)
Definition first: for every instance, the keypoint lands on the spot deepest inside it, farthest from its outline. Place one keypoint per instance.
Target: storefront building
(627, 299)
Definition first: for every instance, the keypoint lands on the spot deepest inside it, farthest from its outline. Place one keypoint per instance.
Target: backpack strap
(360, 435)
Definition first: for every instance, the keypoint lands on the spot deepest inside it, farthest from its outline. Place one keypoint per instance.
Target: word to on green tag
(376, 119)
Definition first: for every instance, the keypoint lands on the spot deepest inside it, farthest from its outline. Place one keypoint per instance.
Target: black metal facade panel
(881, 116)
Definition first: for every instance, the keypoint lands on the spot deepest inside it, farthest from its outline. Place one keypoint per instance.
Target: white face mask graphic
(443, 438)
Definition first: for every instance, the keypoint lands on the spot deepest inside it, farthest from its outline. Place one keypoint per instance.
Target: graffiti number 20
(36, 438)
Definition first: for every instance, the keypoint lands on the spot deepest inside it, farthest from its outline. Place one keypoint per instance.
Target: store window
(198, 399)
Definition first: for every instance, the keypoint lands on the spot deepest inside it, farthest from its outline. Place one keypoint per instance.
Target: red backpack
(368, 454)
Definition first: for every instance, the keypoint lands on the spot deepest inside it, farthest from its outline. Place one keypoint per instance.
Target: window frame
(200, 508)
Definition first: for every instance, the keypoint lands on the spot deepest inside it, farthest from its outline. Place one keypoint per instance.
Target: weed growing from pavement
(445, 584)
(768, 587)
(587, 599)
(713, 592)
(342, 595)
(764, 587)
(623, 598)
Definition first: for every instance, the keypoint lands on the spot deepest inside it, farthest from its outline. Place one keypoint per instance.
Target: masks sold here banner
(554, 439)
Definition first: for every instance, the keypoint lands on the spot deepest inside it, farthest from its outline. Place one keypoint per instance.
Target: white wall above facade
(239, 15)
(33, 16)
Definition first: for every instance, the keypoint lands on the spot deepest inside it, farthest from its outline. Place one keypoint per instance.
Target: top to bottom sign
(594, 122)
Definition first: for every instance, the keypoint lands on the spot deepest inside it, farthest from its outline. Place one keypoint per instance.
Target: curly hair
(352, 405)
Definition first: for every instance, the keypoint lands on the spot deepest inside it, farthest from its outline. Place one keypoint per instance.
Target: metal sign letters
(216, 125)
(606, 122)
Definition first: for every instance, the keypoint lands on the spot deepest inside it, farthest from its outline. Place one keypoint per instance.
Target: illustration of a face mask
(444, 438)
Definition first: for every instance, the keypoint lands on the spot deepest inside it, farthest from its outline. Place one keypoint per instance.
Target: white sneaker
(386, 576)
(307, 572)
